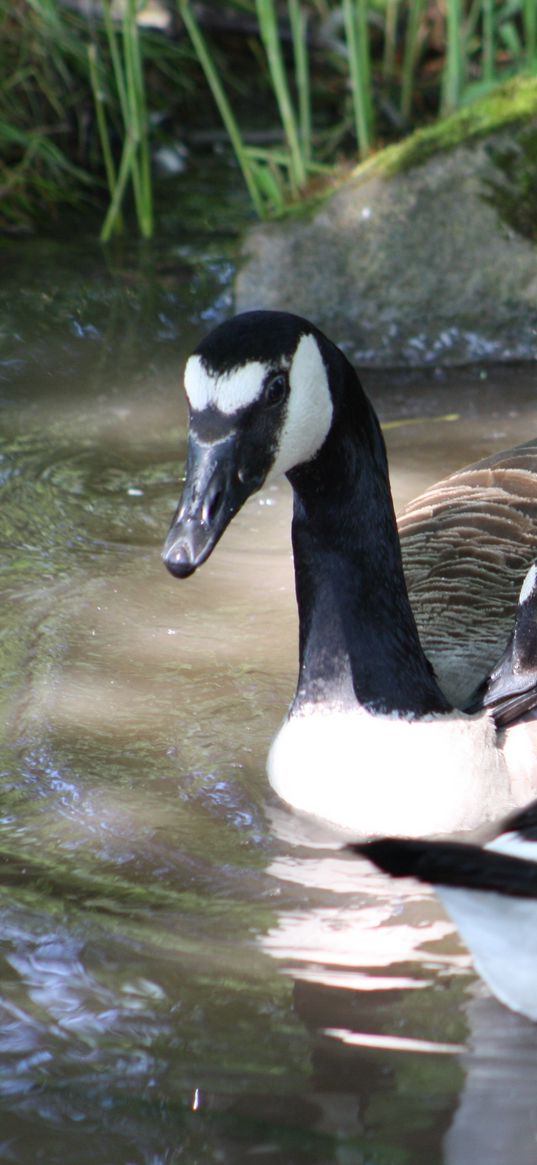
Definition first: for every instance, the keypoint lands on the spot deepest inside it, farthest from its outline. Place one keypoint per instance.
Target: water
(187, 974)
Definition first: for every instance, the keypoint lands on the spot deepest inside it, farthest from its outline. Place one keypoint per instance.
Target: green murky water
(186, 974)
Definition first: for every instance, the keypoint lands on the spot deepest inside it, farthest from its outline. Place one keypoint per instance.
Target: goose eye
(276, 389)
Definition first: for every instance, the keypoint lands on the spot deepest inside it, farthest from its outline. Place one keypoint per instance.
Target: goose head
(263, 391)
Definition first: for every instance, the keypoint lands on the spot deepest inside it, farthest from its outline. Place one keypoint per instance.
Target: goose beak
(215, 489)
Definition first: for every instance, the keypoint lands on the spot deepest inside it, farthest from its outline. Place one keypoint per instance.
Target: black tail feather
(523, 822)
(451, 863)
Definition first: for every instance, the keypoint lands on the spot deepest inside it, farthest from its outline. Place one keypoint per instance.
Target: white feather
(371, 774)
(515, 845)
(228, 391)
(309, 409)
(528, 586)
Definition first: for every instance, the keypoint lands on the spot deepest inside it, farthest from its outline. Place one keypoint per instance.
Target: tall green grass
(73, 106)
(412, 45)
(269, 32)
(272, 176)
(382, 57)
(223, 105)
(41, 67)
(76, 93)
(357, 36)
(127, 74)
(454, 76)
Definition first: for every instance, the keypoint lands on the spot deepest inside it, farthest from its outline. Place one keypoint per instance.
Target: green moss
(515, 102)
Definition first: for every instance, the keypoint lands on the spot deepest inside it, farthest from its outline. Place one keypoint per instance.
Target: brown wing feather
(467, 544)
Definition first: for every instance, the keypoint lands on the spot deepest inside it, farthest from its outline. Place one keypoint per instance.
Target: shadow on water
(186, 972)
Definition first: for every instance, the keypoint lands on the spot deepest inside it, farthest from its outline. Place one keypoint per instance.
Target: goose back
(467, 543)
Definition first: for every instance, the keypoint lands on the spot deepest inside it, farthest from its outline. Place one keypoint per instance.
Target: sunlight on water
(187, 971)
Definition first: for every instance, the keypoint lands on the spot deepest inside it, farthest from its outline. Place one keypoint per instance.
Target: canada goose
(372, 741)
(490, 893)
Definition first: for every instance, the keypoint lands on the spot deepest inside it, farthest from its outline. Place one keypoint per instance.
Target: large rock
(429, 264)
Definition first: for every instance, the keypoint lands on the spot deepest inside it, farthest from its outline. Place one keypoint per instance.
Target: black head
(260, 403)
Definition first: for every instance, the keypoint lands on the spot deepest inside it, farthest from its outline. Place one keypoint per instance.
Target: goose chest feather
(371, 742)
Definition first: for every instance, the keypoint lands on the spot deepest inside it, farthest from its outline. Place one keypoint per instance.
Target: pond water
(187, 972)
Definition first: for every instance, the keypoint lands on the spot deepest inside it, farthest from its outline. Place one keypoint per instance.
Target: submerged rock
(436, 263)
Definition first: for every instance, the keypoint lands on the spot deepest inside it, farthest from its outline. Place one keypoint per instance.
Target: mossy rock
(427, 253)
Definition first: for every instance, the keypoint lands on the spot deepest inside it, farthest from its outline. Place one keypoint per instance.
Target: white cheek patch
(228, 392)
(309, 409)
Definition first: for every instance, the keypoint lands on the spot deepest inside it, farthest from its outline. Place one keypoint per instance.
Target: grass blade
(137, 123)
(410, 57)
(453, 78)
(270, 182)
(268, 27)
(364, 58)
(529, 22)
(113, 212)
(102, 126)
(222, 103)
(115, 57)
(488, 50)
(390, 39)
(355, 20)
(298, 21)
(128, 75)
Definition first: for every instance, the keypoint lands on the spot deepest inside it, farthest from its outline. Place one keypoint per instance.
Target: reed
(413, 38)
(356, 32)
(475, 31)
(205, 59)
(453, 77)
(529, 23)
(268, 30)
(390, 40)
(298, 19)
(271, 176)
(41, 55)
(99, 98)
(374, 58)
(486, 43)
(489, 47)
(127, 73)
(41, 175)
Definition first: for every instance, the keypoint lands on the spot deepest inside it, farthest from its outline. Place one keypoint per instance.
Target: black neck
(358, 638)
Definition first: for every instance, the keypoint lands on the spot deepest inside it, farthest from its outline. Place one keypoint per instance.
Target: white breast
(371, 774)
